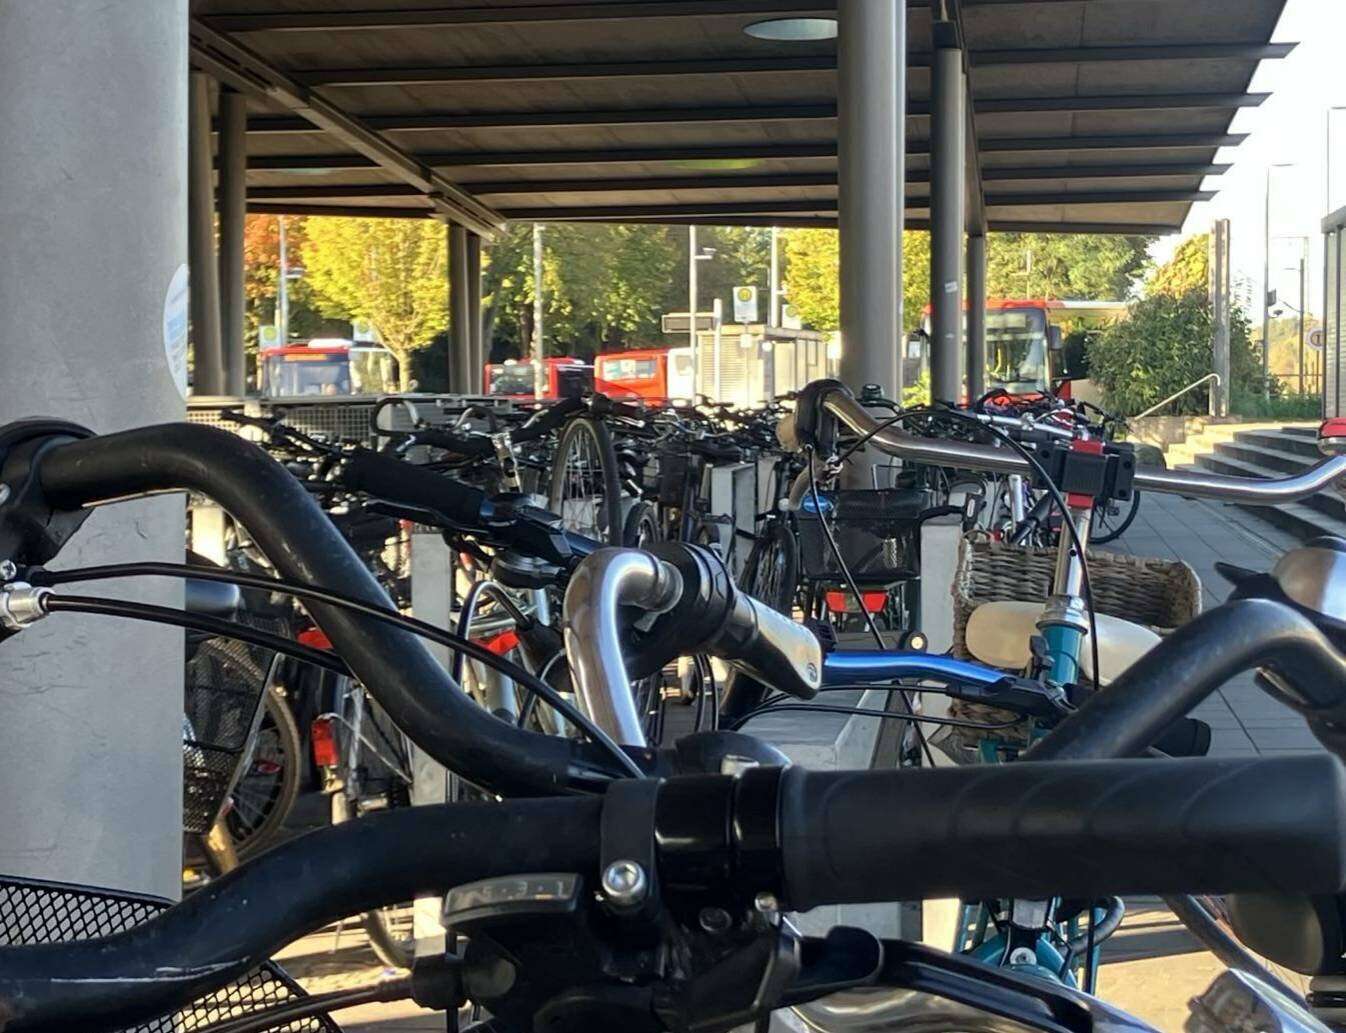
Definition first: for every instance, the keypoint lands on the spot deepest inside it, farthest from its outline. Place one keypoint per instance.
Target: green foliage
(813, 279)
(1085, 266)
(1188, 271)
(1164, 345)
(391, 272)
(1244, 402)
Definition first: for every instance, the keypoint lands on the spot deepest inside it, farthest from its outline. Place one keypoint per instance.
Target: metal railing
(1178, 394)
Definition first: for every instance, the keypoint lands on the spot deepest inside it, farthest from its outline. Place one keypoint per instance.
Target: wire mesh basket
(34, 911)
(222, 697)
(1159, 594)
(876, 530)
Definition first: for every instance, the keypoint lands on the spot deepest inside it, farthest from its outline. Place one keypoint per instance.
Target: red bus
(652, 374)
(1022, 347)
(567, 377)
(326, 366)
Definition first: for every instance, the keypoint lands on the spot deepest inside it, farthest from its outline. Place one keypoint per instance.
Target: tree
(1188, 271)
(1081, 266)
(604, 287)
(1163, 345)
(812, 276)
(392, 272)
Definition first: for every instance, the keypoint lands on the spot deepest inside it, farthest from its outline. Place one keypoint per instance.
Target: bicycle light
(1332, 437)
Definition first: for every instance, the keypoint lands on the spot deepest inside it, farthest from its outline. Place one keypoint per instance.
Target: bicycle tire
(594, 436)
(771, 572)
(279, 720)
(641, 527)
(1112, 533)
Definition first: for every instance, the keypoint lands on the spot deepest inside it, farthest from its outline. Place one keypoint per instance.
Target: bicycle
(707, 863)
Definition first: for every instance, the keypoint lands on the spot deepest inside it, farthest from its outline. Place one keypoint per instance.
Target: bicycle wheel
(771, 572)
(585, 487)
(383, 783)
(266, 790)
(641, 527)
(1110, 520)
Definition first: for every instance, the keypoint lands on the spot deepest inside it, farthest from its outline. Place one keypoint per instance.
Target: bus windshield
(1016, 350)
(512, 379)
(312, 373)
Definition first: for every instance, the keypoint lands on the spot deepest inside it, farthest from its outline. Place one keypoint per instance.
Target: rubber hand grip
(1085, 828)
(398, 481)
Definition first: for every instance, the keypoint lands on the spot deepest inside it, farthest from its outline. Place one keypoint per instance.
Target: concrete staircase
(1271, 450)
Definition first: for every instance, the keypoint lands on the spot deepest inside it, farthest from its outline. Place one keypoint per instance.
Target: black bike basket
(33, 911)
(221, 707)
(876, 530)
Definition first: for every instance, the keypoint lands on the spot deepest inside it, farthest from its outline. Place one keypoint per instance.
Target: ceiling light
(793, 30)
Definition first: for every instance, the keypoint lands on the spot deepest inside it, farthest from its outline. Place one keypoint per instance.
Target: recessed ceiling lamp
(793, 30)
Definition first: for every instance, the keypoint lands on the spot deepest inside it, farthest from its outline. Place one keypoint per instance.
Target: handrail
(1178, 394)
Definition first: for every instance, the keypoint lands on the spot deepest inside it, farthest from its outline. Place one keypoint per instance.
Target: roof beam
(1161, 52)
(1131, 142)
(449, 74)
(447, 120)
(729, 209)
(483, 159)
(240, 67)
(340, 210)
(500, 13)
(1115, 102)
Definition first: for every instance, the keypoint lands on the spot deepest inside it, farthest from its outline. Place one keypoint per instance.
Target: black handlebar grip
(455, 443)
(1084, 828)
(398, 481)
(548, 420)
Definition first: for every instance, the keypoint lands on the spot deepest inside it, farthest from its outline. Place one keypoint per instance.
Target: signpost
(745, 305)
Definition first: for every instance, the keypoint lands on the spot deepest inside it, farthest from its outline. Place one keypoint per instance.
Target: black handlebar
(812, 838)
(297, 536)
(1065, 829)
(1193, 662)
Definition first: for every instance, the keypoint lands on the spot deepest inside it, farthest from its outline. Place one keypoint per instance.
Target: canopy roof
(1088, 114)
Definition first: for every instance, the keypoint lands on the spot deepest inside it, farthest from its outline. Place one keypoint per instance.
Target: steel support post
(93, 287)
(460, 338)
(233, 215)
(207, 353)
(871, 72)
(948, 183)
(477, 350)
(976, 315)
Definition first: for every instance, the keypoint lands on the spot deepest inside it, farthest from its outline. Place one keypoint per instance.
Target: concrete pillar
(1219, 288)
(871, 70)
(233, 214)
(976, 316)
(207, 354)
(477, 349)
(93, 204)
(948, 176)
(460, 342)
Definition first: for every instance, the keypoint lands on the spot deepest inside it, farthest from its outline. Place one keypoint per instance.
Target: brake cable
(44, 578)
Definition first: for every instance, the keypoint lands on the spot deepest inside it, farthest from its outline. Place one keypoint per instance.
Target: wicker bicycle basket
(1160, 594)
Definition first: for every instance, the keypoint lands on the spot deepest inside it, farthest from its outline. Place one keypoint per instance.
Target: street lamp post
(694, 255)
(1266, 284)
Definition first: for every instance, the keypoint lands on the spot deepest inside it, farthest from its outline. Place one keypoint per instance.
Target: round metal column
(93, 295)
(948, 174)
(233, 215)
(207, 353)
(871, 69)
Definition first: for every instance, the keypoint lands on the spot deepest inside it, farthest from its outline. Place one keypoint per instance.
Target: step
(1270, 458)
(1283, 440)
(1302, 430)
(1228, 460)
(1319, 514)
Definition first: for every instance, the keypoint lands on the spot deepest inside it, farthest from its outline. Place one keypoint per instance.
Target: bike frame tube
(845, 668)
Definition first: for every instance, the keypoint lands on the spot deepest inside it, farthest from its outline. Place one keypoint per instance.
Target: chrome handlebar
(993, 459)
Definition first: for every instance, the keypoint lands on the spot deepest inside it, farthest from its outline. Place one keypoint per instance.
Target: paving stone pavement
(1244, 720)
